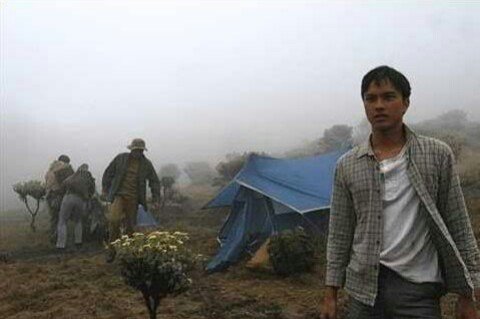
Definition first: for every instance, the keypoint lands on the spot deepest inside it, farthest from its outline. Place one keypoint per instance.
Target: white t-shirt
(407, 246)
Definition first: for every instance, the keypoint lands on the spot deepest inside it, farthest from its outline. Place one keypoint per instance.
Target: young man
(399, 233)
(124, 184)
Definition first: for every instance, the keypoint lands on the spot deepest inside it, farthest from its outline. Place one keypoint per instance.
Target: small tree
(34, 189)
(155, 264)
(169, 170)
(230, 167)
(168, 175)
(199, 172)
(166, 184)
(337, 137)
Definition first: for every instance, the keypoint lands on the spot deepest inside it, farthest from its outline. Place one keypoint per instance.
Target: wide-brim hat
(137, 144)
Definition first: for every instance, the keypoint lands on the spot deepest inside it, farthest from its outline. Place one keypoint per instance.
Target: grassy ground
(38, 282)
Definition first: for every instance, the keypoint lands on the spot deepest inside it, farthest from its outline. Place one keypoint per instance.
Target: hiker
(79, 189)
(124, 185)
(58, 171)
(399, 232)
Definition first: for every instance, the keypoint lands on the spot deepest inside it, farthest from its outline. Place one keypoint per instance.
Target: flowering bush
(156, 264)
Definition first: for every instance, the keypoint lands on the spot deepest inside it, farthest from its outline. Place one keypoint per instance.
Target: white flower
(179, 233)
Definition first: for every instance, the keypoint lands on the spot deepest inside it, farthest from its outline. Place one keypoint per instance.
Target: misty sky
(200, 79)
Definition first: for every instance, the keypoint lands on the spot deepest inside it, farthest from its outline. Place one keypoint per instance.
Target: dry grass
(40, 283)
(469, 169)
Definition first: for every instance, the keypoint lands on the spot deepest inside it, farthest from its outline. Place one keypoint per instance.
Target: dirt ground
(38, 282)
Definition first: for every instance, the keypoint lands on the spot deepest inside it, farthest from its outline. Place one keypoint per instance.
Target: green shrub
(155, 264)
(292, 252)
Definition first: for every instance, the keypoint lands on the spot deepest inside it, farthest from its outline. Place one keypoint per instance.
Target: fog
(201, 79)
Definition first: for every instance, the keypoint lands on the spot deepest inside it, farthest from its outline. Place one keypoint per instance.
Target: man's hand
(466, 308)
(329, 306)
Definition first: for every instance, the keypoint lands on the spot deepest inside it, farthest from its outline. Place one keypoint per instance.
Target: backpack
(56, 174)
(80, 183)
(63, 173)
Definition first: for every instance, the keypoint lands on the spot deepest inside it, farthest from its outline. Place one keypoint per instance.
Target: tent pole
(271, 211)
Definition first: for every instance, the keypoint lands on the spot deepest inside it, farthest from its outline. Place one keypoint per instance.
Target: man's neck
(389, 143)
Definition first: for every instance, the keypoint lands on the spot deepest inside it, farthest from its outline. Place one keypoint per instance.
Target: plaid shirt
(356, 225)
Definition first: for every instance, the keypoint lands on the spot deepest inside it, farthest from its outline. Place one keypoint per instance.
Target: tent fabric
(245, 229)
(251, 221)
(225, 197)
(301, 184)
(145, 218)
(270, 195)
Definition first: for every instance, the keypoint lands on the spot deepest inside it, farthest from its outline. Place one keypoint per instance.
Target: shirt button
(379, 217)
(378, 242)
(375, 267)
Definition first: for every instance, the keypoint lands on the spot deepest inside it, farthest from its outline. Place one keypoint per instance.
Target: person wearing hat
(124, 184)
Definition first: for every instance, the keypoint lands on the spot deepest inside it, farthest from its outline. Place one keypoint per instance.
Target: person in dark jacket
(79, 188)
(124, 184)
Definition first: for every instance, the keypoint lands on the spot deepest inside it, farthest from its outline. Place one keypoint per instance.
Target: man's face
(136, 153)
(384, 105)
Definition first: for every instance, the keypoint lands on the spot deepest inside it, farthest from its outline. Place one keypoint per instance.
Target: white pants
(73, 207)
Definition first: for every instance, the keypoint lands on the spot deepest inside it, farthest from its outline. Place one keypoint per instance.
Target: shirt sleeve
(340, 231)
(454, 212)
(109, 174)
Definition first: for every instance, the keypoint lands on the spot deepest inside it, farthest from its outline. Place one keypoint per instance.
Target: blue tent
(270, 195)
(145, 218)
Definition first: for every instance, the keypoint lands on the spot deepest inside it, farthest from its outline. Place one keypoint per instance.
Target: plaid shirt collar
(366, 147)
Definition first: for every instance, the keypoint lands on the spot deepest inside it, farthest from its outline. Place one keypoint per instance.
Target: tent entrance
(254, 218)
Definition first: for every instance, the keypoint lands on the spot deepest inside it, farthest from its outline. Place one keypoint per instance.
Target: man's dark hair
(64, 158)
(386, 73)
